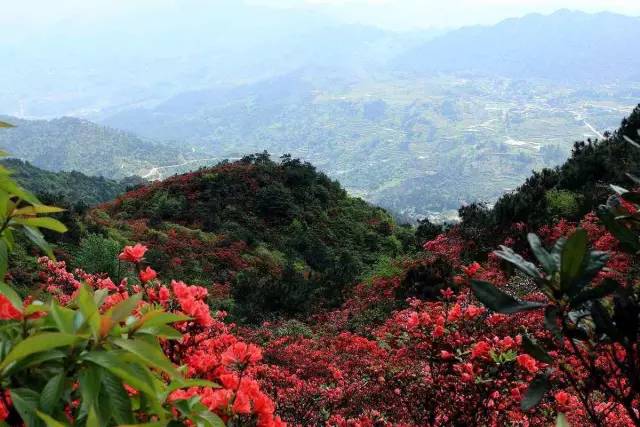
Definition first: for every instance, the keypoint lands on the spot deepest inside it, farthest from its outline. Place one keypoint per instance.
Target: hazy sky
(407, 14)
(393, 14)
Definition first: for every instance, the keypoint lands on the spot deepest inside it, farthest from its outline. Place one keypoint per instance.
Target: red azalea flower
(133, 254)
(562, 399)
(241, 354)
(147, 275)
(7, 310)
(527, 362)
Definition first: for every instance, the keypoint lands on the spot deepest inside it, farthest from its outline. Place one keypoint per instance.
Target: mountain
(282, 238)
(566, 46)
(75, 187)
(143, 57)
(70, 144)
(418, 146)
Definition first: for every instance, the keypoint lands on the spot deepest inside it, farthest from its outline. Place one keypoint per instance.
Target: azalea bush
(88, 351)
(591, 316)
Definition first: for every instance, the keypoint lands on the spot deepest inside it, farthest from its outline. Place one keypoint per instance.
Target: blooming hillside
(307, 307)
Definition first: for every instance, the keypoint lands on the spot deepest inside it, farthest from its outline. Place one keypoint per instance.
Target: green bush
(97, 254)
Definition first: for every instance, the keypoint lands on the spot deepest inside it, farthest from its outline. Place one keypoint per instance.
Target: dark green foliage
(97, 254)
(72, 186)
(426, 231)
(426, 281)
(259, 296)
(285, 236)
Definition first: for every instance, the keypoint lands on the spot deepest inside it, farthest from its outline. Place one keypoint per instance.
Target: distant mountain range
(567, 46)
(419, 123)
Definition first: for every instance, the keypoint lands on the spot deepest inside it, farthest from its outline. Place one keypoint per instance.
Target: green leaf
(50, 421)
(544, 257)
(124, 308)
(139, 379)
(525, 266)
(120, 404)
(89, 309)
(189, 382)
(533, 349)
(536, 391)
(561, 420)
(42, 222)
(607, 287)
(150, 353)
(11, 295)
(63, 317)
(159, 317)
(10, 186)
(52, 393)
(627, 238)
(38, 239)
(37, 209)
(37, 343)
(92, 419)
(498, 301)
(210, 419)
(551, 313)
(90, 384)
(26, 403)
(573, 254)
(602, 320)
(4, 259)
(38, 359)
(160, 331)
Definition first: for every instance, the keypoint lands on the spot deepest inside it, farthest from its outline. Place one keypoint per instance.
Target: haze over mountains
(418, 122)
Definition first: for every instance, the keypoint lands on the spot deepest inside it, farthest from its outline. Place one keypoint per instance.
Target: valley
(414, 146)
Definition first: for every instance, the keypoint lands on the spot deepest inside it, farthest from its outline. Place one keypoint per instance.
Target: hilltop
(279, 236)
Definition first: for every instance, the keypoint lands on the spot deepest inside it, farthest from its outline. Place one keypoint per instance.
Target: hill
(566, 46)
(280, 238)
(70, 144)
(417, 146)
(75, 187)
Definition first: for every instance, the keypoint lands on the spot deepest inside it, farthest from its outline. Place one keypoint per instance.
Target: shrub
(97, 254)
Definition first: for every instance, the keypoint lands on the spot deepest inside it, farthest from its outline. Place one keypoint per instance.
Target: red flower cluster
(133, 254)
(208, 348)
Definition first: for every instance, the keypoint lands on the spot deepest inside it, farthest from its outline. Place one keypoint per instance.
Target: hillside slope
(72, 186)
(69, 144)
(280, 237)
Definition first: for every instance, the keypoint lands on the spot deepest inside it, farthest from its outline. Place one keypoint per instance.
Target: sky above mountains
(399, 15)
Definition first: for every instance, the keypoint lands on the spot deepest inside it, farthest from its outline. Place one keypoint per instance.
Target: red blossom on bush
(147, 275)
(133, 254)
(7, 310)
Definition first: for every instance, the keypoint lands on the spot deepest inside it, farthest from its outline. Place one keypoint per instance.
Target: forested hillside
(74, 187)
(280, 237)
(314, 308)
(70, 144)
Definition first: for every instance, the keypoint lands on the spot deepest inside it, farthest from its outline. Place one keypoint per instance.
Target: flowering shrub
(593, 333)
(175, 329)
